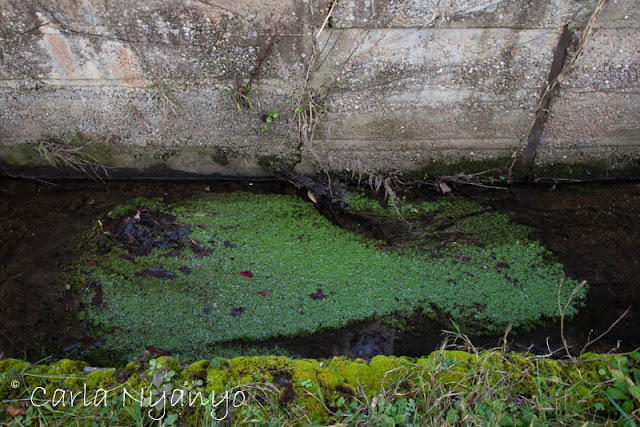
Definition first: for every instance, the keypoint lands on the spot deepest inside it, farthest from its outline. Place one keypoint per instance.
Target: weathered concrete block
(609, 62)
(147, 127)
(482, 13)
(165, 81)
(70, 44)
(155, 78)
(431, 93)
(597, 115)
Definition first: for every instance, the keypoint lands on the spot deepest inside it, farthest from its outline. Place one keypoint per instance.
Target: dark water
(594, 230)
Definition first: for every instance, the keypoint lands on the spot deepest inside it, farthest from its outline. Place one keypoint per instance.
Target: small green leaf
(276, 115)
(452, 416)
(615, 394)
(506, 421)
(617, 374)
(269, 119)
(635, 391)
(158, 377)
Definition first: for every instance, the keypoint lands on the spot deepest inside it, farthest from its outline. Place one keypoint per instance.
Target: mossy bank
(444, 388)
(190, 277)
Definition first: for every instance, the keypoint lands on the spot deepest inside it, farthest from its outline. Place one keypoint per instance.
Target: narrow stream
(594, 230)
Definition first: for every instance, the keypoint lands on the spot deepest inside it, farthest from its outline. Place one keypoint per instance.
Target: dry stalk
(469, 179)
(563, 311)
(61, 154)
(599, 337)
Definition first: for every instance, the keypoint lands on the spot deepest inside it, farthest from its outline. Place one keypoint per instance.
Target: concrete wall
(387, 84)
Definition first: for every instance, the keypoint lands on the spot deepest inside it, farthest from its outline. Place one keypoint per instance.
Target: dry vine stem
(593, 341)
(563, 310)
(552, 85)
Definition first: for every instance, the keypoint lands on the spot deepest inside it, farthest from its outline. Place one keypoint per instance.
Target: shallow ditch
(592, 229)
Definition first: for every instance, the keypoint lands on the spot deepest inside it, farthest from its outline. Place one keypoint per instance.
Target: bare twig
(593, 341)
(563, 310)
(326, 18)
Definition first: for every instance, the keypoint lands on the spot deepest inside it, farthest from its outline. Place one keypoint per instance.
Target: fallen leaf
(237, 311)
(91, 263)
(502, 265)
(312, 196)
(318, 295)
(379, 246)
(128, 257)
(263, 294)
(462, 258)
(198, 250)
(444, 187)
(155, 351)
(185, 270)
(246, 273)
(159, 273)
(14, 411)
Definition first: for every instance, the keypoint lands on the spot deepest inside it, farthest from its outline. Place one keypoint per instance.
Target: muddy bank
(593, 230)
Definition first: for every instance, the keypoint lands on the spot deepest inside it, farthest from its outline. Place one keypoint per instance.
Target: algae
(254, 267)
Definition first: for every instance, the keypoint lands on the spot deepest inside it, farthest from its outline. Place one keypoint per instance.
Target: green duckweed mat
(196, 275)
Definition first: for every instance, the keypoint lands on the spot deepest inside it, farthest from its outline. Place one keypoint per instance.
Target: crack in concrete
(560, 54)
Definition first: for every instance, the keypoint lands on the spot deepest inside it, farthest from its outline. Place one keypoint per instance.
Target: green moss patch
(226, 267)
(489, 388)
